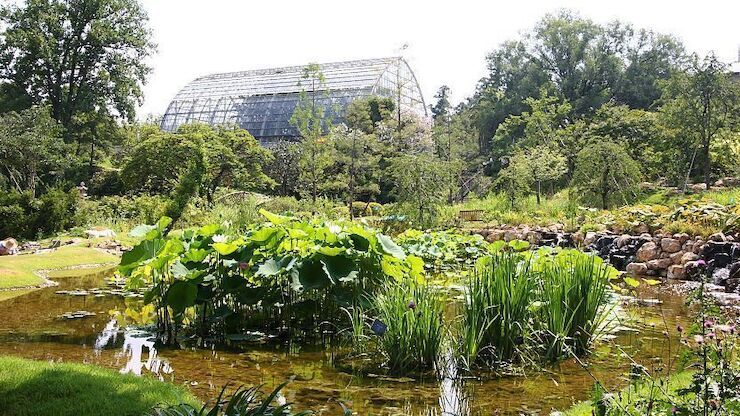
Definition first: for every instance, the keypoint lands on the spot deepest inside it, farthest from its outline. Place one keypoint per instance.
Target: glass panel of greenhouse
(262, 101)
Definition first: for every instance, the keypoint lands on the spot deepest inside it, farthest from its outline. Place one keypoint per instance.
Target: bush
(106, 182)
(114, 211)
(29, 218)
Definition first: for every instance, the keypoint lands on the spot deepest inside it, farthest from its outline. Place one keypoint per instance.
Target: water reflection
(132, 351)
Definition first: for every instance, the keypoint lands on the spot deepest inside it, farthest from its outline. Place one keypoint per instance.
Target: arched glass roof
(262, 101)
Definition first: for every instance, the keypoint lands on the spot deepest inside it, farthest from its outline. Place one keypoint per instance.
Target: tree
(77, 56)
(230, 157)
(515, 179)
(357, 156)
(606, 173)
(442, 108)
(312, 119)
(421, 182)
(701, 104)
(32, 151)
(546, 165)
(285, 168)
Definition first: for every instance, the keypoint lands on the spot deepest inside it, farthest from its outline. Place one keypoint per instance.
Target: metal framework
(262, 101)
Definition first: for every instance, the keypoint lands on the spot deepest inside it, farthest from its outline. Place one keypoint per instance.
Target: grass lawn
(676, 381)
(18, 271)
(40, 388)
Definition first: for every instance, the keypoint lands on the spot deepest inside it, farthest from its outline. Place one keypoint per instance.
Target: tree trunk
(539, 189)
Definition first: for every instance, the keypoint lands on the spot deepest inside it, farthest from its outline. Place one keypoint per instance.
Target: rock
(698, 187)
(642, 228)
(698, 247)
(681, 237)
(677, 257)
(637, 269)
(689, 256)
(623, 240)
(590, 238)
(670, 245)
(732, 285)
(510, 236)
(688, 246)
(495, 235)
(676, 272)
(659, 264)
(647, 252)
(720, 260)
(718, 237)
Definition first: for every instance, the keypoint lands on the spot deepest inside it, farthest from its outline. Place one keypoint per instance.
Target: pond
(46, 325)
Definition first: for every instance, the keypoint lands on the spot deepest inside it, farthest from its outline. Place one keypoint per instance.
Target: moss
(41, 388)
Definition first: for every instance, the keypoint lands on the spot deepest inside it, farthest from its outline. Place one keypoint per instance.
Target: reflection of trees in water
(134, 343)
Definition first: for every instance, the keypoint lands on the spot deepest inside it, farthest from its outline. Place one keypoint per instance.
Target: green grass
(635, 393)
(35, 388)
(19, 271)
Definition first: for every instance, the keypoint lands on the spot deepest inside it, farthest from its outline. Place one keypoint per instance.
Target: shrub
(27, 217)
(106, 182)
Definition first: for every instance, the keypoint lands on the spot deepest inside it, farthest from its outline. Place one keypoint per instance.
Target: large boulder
(689, 256)
(659, 264)
(647, 252)
(676, 272)
(676, 257)
(670, 245)
(637, 269)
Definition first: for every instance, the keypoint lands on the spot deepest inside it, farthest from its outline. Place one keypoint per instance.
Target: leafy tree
(32, 151)
(366, 114)
(284, 169)
(515, 179)
(442, 108)
(77, 56)
(421, 182)
(357, 156)
(701, 104)
(606, 174)
(313, 121)
(546, 166)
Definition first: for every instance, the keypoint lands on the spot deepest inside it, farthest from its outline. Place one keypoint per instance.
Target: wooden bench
(471, 215)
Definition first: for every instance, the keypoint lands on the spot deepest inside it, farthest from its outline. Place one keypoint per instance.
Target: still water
(31, 326)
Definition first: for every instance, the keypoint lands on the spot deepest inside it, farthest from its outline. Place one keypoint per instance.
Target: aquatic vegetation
(573, 300)
(413, 314)
(284, 273)
(444, 250)
(496, 308)
(242, 402)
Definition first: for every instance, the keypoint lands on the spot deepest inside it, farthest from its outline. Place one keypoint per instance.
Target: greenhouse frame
(263, 101)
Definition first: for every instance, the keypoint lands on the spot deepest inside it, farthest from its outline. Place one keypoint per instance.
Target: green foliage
(444, 250)
(574, 295)
(496, 309)
(32, 151)
(606, 174)
(421, 183)
(82, 58)
(28, 217)
(550, 301)
(277, 269)
(242, 402)
(413, 312)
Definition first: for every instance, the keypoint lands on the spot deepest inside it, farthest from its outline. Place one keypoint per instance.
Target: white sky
(448, 40)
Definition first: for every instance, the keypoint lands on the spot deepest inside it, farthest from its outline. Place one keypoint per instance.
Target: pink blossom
(699, 339)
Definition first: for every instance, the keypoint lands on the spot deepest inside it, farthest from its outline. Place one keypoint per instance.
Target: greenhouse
(262, 101)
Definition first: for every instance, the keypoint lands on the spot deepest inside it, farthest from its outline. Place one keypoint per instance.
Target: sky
(447, 40)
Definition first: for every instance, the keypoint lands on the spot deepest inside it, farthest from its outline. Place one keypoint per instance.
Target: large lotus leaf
(390, 247)
(360, 242)
(416, 267)
(340, 268)
(392, 267)
(297, 233)
(143, 251)
(231, 283)
(251, 295)
(332, 251)
(178, 270)
(267, 235)
(209, 230)
(275, 218)
(205, 294)
(271, 267)
(195, 255)
(226, 249)
(140, 231)
(181, 295)
(311, 275)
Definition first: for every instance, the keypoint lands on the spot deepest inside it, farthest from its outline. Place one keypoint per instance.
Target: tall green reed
(574, 294)
(496, 309)
(413, 313)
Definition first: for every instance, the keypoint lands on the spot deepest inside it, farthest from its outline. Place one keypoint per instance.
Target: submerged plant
(574, 297)
(495, 312)
(415, 328)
